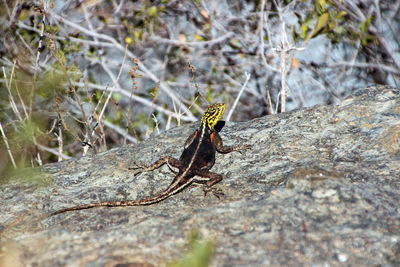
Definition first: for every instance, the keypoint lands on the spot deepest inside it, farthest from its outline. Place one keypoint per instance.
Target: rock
(320, 186)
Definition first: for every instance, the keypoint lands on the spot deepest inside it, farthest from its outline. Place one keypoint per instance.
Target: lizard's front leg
(226, 149)
(172, 163)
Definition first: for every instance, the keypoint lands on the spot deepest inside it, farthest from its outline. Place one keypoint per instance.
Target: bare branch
(248, 75)
(52, 151)
(218, 40)
(7, 146)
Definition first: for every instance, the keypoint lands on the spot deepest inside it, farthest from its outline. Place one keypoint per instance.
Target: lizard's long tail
(173, 189)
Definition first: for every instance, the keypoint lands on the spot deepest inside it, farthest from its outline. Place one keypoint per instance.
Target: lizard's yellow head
(212, 115)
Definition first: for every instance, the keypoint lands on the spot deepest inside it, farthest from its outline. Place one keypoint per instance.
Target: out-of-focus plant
(197, 252)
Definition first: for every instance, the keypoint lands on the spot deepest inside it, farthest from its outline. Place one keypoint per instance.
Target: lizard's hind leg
(209, 179)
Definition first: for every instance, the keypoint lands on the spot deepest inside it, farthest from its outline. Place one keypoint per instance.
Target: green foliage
(116, 96)
(152, 11)
(116, 118)
(365, 24)
(51, 28)
(364, 36)
(143, 21)
(198, 252)
(153, 92)
(139, 121)
(50, 83)
(24, 135)
(322, 22)
(31, 176)
(23, 15)
(214, 71)
(327, 18)
(199, 38)
(22, 139)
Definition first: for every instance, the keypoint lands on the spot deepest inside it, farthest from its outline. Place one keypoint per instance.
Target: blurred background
(81, 77)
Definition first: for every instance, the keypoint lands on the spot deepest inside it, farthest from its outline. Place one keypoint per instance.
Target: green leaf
(304, 31)
(322, 21)
(320, 6)
(308, 20)
(295, 35)
(152, 11)
(61, 56)
(116, 96)
(339, 30)
(340, 14)
(332, 25)
(365, 25)
(199, 38)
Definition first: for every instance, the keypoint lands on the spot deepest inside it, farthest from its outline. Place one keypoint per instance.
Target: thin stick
(11, 98)
(238, 96)
(51, 150)
(277, 102)
(269, 102)
(41, 38)
(220, 39)
(283, 74)
(60, 144)
(168, 124)
(7, 146)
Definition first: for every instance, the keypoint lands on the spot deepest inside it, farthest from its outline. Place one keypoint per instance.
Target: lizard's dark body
(194, 165)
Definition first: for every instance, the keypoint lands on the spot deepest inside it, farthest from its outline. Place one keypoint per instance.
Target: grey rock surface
(319, 186)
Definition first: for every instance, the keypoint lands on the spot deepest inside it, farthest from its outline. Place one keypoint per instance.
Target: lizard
(194, 165)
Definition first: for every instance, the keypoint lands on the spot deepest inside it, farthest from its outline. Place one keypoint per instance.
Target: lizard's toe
(206, 189)
(216, 191)
(137, 169)
(242, 147)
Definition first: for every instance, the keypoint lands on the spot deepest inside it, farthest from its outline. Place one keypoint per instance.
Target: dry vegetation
(84, 76)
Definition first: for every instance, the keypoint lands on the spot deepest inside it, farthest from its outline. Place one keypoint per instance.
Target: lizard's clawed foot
(241, 148)
(216, 191)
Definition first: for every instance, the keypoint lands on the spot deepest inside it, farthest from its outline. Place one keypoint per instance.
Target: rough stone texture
(319, 186)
